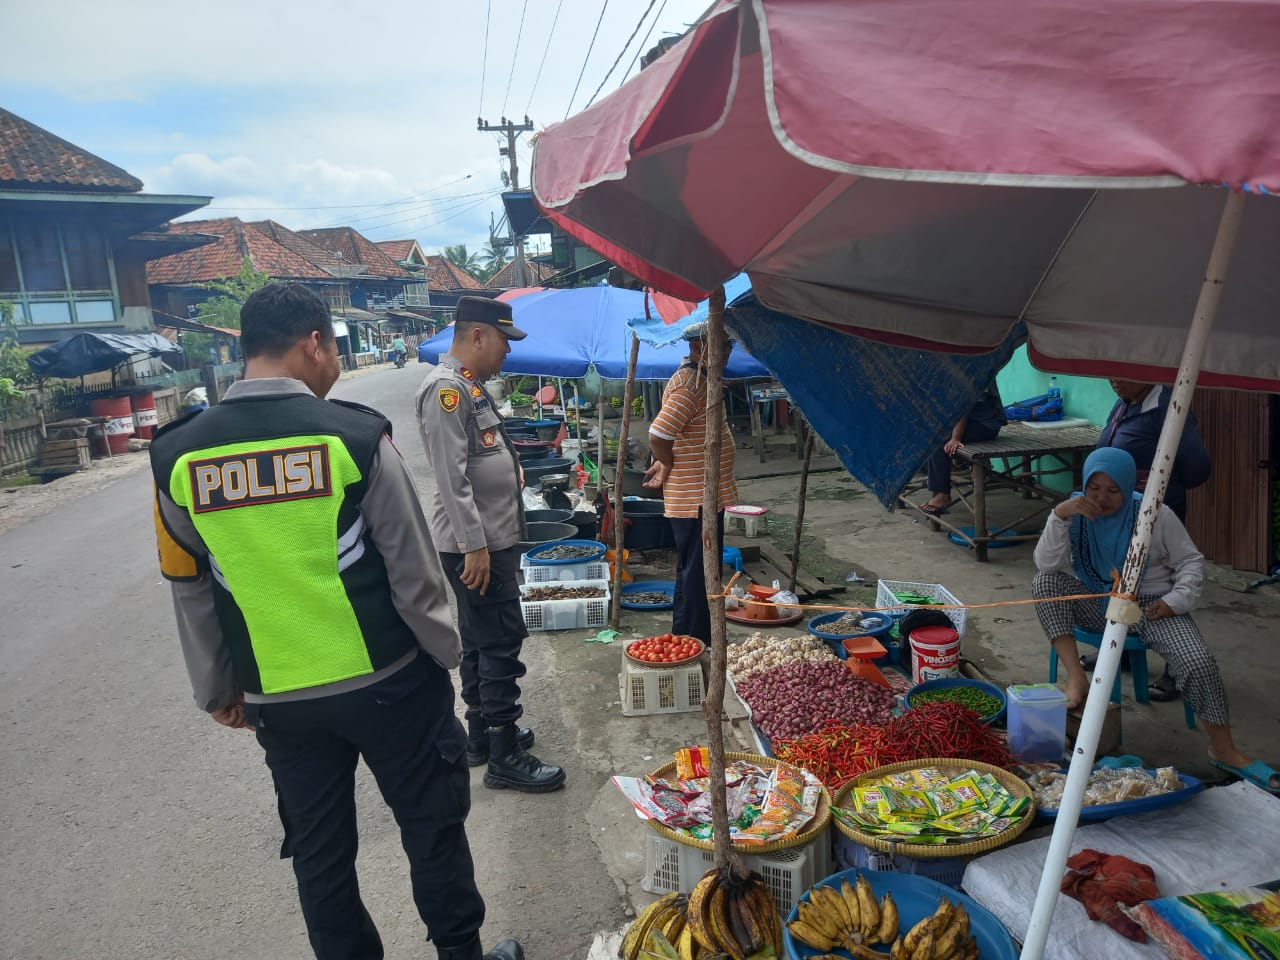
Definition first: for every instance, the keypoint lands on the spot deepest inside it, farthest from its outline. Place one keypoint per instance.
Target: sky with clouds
(322, 113)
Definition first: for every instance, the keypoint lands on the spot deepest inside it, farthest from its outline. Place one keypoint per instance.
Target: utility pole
(512, 130)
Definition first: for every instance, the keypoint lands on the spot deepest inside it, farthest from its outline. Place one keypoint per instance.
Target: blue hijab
(1100, 546)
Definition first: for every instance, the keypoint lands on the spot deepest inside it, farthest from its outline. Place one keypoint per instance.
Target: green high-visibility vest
(273, 487)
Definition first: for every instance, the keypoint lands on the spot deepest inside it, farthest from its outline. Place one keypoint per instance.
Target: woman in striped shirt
(676, 439)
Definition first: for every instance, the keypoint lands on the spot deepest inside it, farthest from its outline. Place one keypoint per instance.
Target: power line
(515, 56)
(621, 53)
(453, 215)
(347, 206)
(378, 221)
(545, 51)
(484, 60)
(640, 49)
(603, 8)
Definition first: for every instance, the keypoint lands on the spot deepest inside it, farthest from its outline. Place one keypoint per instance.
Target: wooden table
(1007, 462)
(762, 397)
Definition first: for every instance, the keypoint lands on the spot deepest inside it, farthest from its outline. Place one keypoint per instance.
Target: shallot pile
(800, 697)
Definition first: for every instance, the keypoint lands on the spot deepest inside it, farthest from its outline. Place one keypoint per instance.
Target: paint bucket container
(935, 653)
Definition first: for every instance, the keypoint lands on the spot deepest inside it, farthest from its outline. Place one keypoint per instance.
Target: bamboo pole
(619, 528)
(1122, 612)
(713, 706)
(804, 486)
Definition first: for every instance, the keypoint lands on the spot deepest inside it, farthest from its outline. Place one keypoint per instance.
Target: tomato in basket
(665, 648)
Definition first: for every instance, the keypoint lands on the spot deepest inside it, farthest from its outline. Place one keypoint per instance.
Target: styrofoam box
(671, 866)
(566, 614)
(885, 598)
(551, 572)
(848, 853)
(647, 690)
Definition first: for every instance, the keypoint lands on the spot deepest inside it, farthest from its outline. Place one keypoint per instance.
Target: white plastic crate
(885, 597)
(646, 690)
(673, 866)
(553, 572)
(566, 614)
(848, 853)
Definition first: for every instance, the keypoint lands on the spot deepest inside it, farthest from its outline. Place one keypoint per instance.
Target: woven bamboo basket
(925, 851)
(816, 828)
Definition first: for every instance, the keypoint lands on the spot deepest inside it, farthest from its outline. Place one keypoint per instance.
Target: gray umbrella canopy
(91, 352)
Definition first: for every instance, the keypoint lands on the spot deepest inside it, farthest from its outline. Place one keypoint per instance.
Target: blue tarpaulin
(91, 352)
(571, 330)
(882, 409)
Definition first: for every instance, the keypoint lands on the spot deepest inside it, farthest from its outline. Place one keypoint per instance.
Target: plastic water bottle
(1053, 387)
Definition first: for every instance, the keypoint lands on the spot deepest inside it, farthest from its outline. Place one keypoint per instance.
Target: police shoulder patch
(449, 399)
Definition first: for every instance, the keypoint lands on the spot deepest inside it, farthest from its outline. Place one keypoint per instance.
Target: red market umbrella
(929, 173)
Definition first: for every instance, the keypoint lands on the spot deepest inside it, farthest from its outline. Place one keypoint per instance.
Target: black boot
(503, 950)
(510, 767)
(478, 737)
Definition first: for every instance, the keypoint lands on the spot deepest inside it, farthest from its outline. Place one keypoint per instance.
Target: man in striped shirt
(676, 440)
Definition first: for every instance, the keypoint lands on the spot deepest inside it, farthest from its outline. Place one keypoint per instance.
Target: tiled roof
(356, 248)
(535, 273)
(33, 158)
(443, 275)
(297, 243)
(236, 241)
(397, 250)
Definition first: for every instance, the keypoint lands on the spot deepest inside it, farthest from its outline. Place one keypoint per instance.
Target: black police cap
(493, 312)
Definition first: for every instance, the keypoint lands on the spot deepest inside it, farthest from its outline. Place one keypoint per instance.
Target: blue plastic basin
(949, 683)
(917, 898)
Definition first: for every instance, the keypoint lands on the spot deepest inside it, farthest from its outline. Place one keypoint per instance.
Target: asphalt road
(133, 826)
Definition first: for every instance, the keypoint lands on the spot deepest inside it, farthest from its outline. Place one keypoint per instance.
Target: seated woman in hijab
(1085, 540)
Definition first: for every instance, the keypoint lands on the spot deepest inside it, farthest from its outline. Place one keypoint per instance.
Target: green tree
(14, 370)
(457, 255)
(494, 257)
(222, 309)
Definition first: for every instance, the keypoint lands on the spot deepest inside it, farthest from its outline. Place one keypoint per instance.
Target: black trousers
(405, 729)
(493, 633)
(938, 466)
(691, 614)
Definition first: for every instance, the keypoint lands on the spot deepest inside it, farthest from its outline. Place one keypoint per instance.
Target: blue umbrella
(571, 330)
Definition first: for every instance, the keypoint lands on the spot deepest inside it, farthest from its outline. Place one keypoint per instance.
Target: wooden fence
(20, 436)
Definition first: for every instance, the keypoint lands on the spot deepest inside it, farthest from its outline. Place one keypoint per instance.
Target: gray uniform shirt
(477, 500)
(393, 515)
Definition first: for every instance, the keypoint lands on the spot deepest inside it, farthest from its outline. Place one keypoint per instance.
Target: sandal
(1257, 773)
(928, 509)
(1163, 689)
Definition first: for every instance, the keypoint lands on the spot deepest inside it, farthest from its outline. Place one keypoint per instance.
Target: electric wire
(622, 53)
(545, 51)
(587, 58)
(406, 216)
(515, 56)
(484, 59)
(416, 198)
(640, 49)
(452, 214)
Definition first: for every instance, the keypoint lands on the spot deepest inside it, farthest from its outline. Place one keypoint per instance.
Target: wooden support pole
(619, 528)
(714, 352)
(804, 486)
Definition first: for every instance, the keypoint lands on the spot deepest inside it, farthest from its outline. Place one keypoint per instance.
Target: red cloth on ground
(1102, 881)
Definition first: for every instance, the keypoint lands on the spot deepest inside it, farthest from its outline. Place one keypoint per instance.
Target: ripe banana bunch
(944, 935)
(731, 917)
(849, 918)
(658, 925)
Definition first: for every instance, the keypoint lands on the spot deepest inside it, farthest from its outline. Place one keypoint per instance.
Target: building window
(50, 311)
(57, 273)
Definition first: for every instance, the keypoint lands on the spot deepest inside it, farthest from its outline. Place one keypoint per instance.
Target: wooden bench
(1020, 458)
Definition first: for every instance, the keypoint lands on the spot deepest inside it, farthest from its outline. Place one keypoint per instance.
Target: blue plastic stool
(1136, 651)
(733, 557)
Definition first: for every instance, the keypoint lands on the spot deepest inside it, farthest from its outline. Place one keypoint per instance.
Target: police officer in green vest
(311, 607)
(477, 520)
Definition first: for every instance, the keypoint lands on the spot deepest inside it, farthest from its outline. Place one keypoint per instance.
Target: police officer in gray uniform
(476, 521)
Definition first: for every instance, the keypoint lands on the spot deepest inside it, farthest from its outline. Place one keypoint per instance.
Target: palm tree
(458, 256)
(494, 256)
